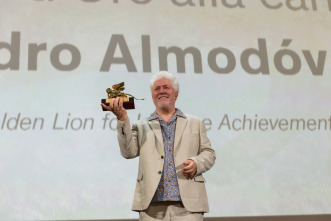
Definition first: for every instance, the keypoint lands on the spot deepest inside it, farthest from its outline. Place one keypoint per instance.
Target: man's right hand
(116, 106)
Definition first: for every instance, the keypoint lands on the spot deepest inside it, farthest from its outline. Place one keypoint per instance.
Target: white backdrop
(257, 72)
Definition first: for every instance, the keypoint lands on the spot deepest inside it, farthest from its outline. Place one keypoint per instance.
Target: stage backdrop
(257, 72)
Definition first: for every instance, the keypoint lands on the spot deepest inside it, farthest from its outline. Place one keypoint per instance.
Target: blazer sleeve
(206, 156)
(127, 139)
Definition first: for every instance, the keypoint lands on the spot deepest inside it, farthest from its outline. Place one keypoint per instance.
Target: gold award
(117, 91)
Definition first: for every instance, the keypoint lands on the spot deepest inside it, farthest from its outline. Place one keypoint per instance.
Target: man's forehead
(162, 82)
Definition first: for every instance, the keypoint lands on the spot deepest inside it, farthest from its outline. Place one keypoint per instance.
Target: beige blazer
(191, 142)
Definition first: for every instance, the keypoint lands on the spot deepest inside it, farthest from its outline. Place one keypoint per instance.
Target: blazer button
(162, 157)
(159, 172)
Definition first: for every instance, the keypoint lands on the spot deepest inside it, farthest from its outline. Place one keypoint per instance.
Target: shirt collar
(155, 116)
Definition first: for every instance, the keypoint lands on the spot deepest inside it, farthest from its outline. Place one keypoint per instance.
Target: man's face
(164, 95)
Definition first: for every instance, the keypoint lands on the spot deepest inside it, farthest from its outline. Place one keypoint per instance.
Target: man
(173, 151)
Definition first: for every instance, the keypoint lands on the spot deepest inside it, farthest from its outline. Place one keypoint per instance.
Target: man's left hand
(190, 169)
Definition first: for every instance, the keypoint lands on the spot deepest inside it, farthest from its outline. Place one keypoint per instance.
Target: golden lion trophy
(117, 91)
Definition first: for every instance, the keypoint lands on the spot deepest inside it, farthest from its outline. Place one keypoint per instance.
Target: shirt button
(159, 172)
(162, 157)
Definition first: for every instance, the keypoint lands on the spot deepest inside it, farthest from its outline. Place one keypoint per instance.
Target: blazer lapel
(180, 125)
(156, 128)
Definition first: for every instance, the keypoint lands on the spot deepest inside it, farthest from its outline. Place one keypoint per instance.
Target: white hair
(165, 75)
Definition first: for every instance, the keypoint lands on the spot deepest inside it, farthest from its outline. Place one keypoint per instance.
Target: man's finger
(186, 162)
(111, 104)
(120, 104)
(189, 165)
(190, 169)
(187, 171)
(190, 173)
(106, 107)
(185, 175)
(187, 168)
(116, 104)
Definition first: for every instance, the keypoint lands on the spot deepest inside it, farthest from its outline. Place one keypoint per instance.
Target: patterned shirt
(168, 189)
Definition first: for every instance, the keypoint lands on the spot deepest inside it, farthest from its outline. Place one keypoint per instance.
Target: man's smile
(163, 96)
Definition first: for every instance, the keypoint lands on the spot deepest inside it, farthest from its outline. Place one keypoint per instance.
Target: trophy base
(128, 103)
